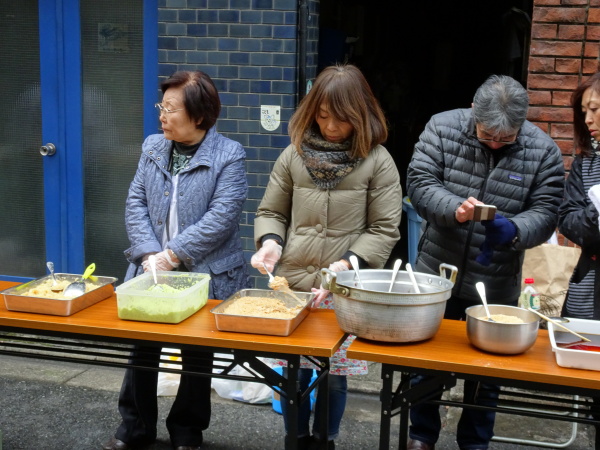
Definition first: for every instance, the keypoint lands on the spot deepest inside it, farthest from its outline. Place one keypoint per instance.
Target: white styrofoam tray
(577, 359)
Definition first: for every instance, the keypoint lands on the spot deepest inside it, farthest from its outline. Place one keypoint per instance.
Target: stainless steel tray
(14, 299)
(261, 325)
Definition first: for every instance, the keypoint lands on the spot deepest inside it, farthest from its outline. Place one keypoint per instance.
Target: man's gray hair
(500, 105)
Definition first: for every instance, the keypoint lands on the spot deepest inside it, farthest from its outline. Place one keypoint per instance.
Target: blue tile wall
(249, 49)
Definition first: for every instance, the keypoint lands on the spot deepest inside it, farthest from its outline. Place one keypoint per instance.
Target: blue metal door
(78, 76)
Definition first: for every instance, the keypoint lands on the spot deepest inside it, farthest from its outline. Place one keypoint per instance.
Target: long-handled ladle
(583, 338)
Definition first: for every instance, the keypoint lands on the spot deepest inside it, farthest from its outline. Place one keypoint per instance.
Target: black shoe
(414, 444)
(316, 444)
(116, 444)
(304, 442)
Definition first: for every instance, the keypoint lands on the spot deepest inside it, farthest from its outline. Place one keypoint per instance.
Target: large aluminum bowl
(503, 338)
(371, 312)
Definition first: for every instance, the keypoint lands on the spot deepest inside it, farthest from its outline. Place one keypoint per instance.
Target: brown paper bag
(551, 267)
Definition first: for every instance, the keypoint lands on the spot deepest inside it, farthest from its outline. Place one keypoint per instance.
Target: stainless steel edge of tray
(260, 325)
(16, 301)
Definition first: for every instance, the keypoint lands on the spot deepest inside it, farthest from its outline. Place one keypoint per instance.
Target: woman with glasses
(485, 154)
(184, 207)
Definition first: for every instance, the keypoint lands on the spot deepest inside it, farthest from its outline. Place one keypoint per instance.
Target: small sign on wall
(270, 117)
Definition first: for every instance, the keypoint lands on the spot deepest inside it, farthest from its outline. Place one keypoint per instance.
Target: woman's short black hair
(200, 96)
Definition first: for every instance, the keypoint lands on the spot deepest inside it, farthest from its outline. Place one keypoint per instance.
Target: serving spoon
(77, 288)
(55, 286)
(283, 288)
(411, 275)
(395, 270)
(152, 262)
(271, 277)
(481, 290)
(354, 264)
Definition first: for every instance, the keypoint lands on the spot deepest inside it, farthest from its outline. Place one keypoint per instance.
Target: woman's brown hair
(349, 98)
(583, 139)
(200, 96)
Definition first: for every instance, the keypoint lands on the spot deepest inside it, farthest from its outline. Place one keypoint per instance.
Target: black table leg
(386, 395)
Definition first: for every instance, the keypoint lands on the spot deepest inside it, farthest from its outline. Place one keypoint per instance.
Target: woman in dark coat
(578, 215)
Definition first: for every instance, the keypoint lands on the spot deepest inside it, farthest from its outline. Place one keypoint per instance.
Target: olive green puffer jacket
(362, 214)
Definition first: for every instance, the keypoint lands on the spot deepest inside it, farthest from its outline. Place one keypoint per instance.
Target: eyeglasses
(494, 141)
(162, 109)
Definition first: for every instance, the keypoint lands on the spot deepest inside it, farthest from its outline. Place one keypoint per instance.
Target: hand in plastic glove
(164, 262)
(499, 231)
(269, 254)
(321, 293)
(338, 266)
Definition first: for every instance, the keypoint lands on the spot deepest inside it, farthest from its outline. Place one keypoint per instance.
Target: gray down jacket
(449, 165)
(211, 193)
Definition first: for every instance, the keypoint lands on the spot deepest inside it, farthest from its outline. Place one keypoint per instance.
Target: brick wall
(564, 50)
(249, 49)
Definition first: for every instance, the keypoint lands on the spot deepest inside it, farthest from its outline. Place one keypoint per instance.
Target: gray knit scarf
(327, 162)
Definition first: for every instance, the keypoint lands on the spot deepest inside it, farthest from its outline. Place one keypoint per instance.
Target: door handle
(48, 150)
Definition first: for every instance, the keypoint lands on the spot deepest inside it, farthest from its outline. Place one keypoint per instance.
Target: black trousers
(190, 413)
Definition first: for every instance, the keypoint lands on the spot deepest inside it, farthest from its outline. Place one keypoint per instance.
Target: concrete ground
(52, 405)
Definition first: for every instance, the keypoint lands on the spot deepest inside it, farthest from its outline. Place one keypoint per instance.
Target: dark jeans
(475, 428)
(189, 415)
(338, 390)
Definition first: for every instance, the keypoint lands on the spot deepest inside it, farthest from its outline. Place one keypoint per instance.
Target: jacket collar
(160, 152)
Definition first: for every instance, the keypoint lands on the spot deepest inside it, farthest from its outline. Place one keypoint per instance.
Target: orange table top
(450, 351)
(317, 335)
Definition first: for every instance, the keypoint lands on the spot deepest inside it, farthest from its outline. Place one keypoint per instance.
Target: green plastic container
(175, 297)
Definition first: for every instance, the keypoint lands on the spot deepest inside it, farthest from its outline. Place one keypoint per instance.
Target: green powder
(163, 288)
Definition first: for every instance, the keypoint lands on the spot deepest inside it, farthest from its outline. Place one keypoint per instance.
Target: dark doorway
(422, 58)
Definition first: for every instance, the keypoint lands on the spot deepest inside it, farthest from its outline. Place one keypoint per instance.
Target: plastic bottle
(530, 297)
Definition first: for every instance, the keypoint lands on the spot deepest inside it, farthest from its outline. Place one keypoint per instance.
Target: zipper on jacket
(465, 258)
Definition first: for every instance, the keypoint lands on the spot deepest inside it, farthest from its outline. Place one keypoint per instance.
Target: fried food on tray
(279, 283)
(273, 308)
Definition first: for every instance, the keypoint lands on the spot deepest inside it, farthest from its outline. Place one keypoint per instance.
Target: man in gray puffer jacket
(487, 154)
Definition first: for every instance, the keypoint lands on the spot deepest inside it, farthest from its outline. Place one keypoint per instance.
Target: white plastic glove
(338, 266)
(269, 254)
(321, 293)
(164, 262)
(594, 195)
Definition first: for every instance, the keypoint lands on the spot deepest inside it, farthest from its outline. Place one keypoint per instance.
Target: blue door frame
(60, 73)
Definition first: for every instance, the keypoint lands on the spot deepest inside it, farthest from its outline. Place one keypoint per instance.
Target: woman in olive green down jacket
(334, 192)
